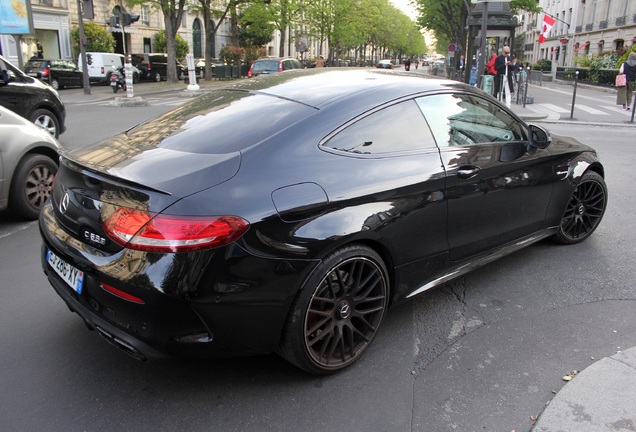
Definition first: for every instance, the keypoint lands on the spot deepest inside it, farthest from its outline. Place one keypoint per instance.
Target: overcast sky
(405, 7)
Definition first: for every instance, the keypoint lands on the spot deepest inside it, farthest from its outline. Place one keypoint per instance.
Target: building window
(145, 16)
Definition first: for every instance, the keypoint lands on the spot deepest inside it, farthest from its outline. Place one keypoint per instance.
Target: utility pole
(82, 43)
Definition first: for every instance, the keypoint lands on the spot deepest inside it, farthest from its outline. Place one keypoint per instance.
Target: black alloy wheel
(585, 209)
(338, 312)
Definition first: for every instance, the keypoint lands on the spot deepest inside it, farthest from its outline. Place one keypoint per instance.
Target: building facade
(582, 28)
(53, 21)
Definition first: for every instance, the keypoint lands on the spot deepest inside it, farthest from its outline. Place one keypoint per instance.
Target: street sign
(452, 47)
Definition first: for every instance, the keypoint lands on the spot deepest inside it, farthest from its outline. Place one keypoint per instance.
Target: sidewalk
(600, 398)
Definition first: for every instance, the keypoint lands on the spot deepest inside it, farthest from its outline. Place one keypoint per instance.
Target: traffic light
(114, 21)
(128, 19)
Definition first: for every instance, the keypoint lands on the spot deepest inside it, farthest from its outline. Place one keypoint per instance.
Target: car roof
(330, 85)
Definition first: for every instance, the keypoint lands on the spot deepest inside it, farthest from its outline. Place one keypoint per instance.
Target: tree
(181, 45)
(447, 18)
(100, 39)
(172, 11)
(255, 26)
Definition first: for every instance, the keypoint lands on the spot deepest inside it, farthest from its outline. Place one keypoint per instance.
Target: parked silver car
(28, 164)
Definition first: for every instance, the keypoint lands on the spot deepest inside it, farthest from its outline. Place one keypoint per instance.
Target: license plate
(113, 83)
(72, 276)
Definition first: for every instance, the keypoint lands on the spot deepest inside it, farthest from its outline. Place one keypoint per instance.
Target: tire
(337, 312)
(158, 77)
(31, 185)
(115, 89)
(55, 84)
(46, 120)
(584, 210)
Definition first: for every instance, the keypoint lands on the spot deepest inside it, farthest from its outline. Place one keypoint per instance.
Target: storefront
(51, 37)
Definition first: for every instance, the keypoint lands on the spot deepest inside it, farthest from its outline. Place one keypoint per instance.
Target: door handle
(467, 172)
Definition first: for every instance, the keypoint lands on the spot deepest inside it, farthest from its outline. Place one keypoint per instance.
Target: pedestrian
(407, 64)
(624, 94)
(320, 62)
(460, 67)
(503, 80)
(490, 66)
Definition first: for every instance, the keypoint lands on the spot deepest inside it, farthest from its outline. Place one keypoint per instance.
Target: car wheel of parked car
(55, 84)
(338, 311)
(158, 77)
(585, 209)
(46, 120)
(31, 185)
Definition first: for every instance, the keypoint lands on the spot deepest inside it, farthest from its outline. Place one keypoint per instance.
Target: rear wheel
(338, 312)
(158, 77)
(55, 84)
(584, 211)
(46, 120)
(31, 185)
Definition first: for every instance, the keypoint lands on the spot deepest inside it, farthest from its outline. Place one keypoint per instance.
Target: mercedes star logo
(65, 202)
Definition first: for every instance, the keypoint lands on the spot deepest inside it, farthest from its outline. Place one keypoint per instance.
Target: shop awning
(582, 46)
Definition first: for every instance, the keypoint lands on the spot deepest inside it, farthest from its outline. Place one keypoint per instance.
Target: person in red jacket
(490, 66)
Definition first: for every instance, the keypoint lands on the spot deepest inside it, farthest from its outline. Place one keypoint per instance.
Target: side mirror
(539, 137)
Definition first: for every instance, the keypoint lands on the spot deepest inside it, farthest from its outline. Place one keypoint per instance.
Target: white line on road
(554, 108)
(589, 109)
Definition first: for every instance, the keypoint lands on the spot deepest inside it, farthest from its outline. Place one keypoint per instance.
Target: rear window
(266, 65)
(209, 124)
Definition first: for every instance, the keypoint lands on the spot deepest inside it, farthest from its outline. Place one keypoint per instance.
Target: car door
(497, 187)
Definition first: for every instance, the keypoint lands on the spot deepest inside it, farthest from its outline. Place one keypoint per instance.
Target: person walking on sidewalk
(503, 80)
(624, 94)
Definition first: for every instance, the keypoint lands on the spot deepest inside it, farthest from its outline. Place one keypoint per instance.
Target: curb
(600, 398)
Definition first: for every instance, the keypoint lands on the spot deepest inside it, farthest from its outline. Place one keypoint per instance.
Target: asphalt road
(483, 353)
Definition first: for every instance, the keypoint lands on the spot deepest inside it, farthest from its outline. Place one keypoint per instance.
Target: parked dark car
(153, 66)
(31, 98)
(57, 73)
(270, 65)
(28, 163)
(351, 191)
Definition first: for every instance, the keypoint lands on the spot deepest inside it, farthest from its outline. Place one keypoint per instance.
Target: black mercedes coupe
(289, 212)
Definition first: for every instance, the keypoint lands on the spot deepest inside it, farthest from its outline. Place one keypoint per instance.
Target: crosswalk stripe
(589, 109)
(554, 108)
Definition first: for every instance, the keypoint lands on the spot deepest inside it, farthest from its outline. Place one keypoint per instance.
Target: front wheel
(46, 120)
(338, 312)
(584, 211)
(158, 77)
(31, 185)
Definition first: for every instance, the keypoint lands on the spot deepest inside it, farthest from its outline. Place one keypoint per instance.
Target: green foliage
(583, 61)
(100, 39)
(623, 58)
(232, 54)
(181, 46)
(606, 61)
(255, 26)
(543, 65)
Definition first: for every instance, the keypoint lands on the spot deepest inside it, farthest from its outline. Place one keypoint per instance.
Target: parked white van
(101, 65)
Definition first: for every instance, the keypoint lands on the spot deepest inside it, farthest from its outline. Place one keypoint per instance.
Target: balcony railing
(602, 24)
(621, 21)
(589, 27)
(578, 29)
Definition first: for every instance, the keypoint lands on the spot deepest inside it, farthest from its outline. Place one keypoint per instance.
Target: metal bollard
(576, 78)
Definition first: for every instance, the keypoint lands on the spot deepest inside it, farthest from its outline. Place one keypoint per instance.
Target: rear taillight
(122, 294)
(45, 73)
(151, 232)
(280, 66)
(249, 72)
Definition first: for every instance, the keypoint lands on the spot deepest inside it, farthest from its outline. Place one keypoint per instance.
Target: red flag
(548, 22)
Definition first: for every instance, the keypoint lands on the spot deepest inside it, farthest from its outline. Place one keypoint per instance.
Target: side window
(395, 129)
(462, 119)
